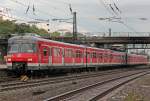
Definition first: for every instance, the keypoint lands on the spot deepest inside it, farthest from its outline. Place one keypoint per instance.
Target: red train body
(33, 53)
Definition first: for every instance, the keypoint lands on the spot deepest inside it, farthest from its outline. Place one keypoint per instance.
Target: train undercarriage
(21, 68)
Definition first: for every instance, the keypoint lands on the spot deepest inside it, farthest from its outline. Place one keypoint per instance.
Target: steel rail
(73, 92)
(99, 96)
(21, 85)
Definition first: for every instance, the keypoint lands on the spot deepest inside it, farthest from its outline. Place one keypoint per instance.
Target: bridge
(106, 40)
(98, 40)
(118, 40)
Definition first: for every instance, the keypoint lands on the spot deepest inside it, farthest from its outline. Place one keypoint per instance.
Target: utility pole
(74, 26)
(109, 32)
(74, 22)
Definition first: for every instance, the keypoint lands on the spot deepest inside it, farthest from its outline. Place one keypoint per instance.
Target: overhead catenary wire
(110, 5)
(19, 18)
(53, 7)
(116, 6)
(26, 5)
(116, 20)
(129, 27)
(29, 7)
(120, 20)
(70, 8)
(37, 10)
(106, 7)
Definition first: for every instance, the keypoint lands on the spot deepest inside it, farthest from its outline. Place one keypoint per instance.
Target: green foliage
(68, 34)
(6, 27)
(55, 34)
(10, 27)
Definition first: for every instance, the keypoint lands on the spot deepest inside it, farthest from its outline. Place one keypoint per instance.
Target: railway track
(20, 85)
(98, 90)
(7, 79)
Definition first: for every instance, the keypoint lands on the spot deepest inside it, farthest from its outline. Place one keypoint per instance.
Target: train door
(57, 56)
(78, 56)
(63, 56)
(88, 57)
(44, 55)
(100, 58)
(94, 57)
(68, 56)
(50, 56)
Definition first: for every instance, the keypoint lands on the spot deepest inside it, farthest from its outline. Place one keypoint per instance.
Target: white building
(5, 15)
(63, 31)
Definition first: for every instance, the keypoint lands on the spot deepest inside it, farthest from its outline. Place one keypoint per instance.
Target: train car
(29, 53)
(134, 59)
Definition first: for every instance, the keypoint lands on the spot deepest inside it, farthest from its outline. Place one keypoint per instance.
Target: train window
(81, 54)
(57, 52)
(105, 55)
(100, 55)
(68, 53)
(26, 47)
(22, 48)
(78, 54)
(94, 54)
(111, 56)
(88, 54)
(14, 48)
(45, 52)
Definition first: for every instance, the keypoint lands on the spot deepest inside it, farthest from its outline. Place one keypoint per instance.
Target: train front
(21, 54)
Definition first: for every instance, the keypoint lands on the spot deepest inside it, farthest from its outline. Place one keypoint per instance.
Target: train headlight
(9, 59)
(29, 59)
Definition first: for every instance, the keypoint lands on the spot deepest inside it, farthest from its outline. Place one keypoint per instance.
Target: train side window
(88, 54)
(100, 55)
(78, 54)
(45, 52)
(57, 52)
(94, 55)
(68, 53)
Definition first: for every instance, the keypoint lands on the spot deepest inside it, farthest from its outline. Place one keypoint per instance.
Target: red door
(44, 55)
(57, 56)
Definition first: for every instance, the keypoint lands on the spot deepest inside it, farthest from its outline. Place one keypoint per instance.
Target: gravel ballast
(138, 90)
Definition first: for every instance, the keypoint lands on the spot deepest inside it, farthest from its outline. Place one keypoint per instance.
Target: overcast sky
(88, 13)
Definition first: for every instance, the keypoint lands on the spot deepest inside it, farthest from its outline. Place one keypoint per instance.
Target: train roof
(35, 39)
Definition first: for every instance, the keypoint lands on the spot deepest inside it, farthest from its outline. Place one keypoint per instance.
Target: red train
(29, 53)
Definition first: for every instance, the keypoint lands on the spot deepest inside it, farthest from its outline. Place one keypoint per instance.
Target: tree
(6, 27)
(68, 34)
(10, 27)
(55, 34)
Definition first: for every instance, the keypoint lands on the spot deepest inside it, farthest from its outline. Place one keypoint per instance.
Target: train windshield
(22, 48)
